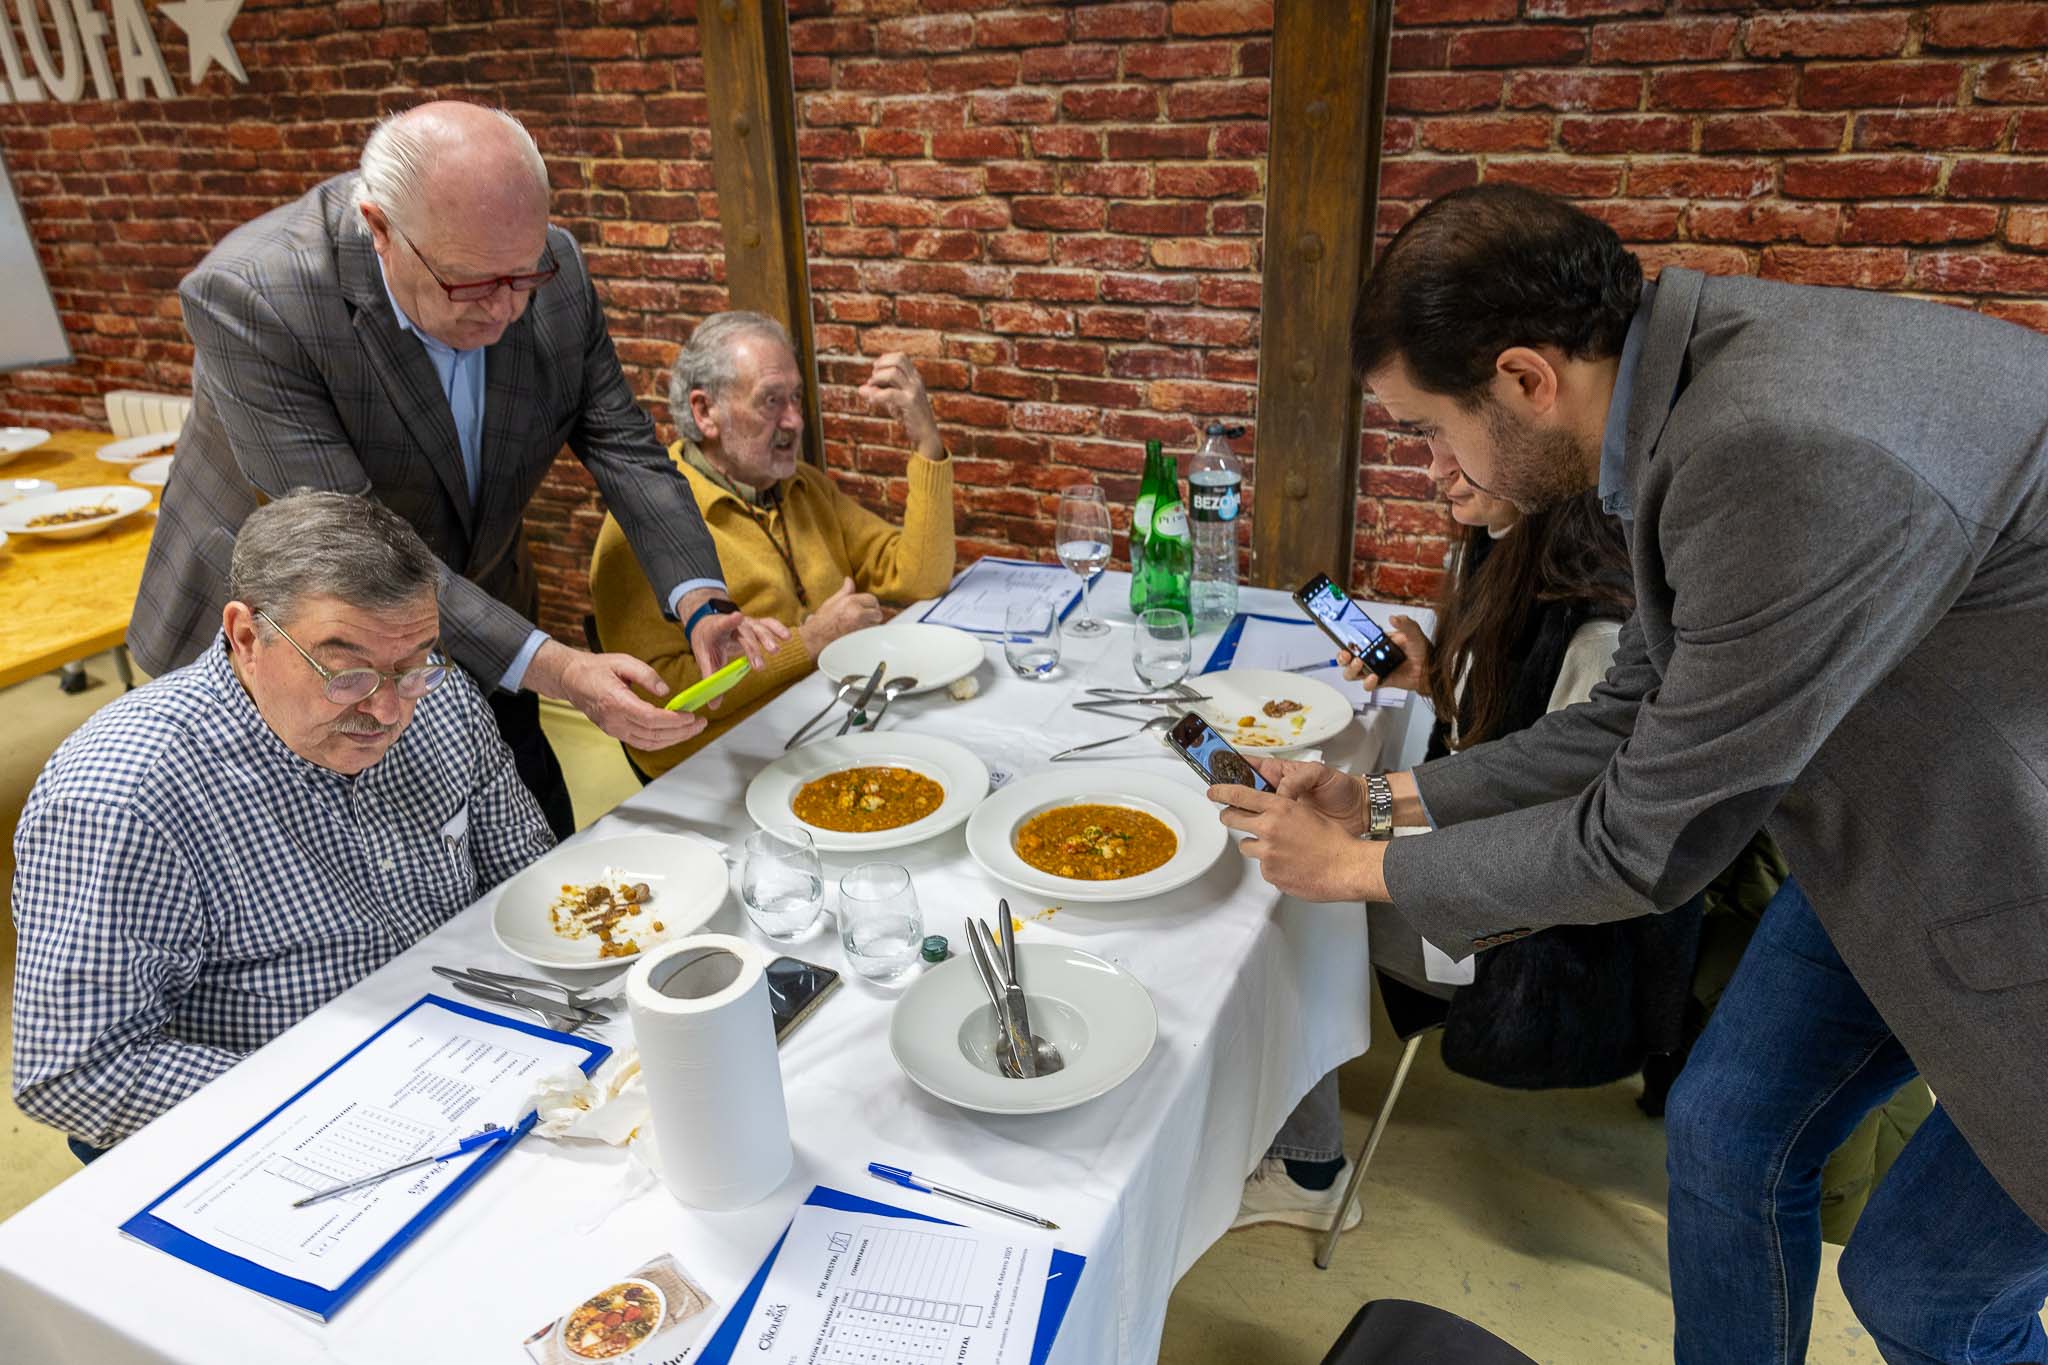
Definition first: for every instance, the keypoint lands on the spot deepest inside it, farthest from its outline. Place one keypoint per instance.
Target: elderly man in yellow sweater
(794, 547)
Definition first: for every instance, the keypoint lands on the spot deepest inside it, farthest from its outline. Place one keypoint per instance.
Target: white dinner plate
(124, 499)
(14, 490)
(934, 655)
(134, 448)
(152, 473)
(991, 830)
(1241, 694)
(964, 777)
(14, 440)
(687, 879)
(943, 1031)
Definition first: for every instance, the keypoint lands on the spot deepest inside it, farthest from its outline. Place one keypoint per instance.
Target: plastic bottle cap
(935, 948)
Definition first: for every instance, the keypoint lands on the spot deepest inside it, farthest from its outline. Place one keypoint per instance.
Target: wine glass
(1082, 537)
(1159, 652)
(782, 884)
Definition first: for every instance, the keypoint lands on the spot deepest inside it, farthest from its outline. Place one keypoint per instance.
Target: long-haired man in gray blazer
(1838, 514)
(417, 331)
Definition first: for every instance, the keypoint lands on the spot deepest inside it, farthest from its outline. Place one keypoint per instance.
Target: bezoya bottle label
(1172, 522)
(1215, 504)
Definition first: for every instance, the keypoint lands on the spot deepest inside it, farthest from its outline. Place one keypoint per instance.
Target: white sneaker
(1271, 1196)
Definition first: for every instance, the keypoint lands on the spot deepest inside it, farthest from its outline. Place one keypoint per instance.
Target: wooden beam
(754, 167)
(1329, 109)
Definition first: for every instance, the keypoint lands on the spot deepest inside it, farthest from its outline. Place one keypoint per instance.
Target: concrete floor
(1540, 1216)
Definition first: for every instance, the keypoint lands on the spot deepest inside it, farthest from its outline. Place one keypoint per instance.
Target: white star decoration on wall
(206, 30)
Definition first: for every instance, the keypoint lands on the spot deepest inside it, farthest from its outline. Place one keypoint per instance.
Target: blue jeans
(1943, 1268)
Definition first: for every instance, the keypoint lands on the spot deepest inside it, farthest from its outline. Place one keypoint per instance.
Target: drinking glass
(1031, 640)
(879, 923)
(782, 884)
(1082, 537)
(1159, 652)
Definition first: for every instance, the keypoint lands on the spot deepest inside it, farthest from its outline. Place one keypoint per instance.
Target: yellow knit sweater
(832, 538)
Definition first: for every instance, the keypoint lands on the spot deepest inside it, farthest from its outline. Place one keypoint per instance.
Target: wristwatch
(717, 606)
(1379, 807)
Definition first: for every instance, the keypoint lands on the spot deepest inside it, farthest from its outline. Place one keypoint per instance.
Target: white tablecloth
(1257, 998)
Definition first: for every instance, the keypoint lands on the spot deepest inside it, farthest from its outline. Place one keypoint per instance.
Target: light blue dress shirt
(462, 379)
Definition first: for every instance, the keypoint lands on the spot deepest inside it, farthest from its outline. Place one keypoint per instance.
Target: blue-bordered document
(985, 590)
(872, 1282)
(434, 1075)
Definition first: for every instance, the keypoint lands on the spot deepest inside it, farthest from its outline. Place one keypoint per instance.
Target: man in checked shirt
(215, 855)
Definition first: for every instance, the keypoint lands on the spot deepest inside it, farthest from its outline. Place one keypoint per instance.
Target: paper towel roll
(714, 1083)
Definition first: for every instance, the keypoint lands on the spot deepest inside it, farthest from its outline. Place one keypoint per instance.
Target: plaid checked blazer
(303, 378)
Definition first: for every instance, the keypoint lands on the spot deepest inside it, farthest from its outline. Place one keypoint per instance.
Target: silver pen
(475, 1140)
(896, 1175)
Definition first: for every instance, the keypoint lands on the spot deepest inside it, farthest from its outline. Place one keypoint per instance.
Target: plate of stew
(1095, 836)
(862, 792)
(613, 1322)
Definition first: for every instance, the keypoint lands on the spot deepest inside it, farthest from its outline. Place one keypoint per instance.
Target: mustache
(360, 724)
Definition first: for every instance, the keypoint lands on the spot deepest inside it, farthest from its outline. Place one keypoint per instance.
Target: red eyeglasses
(471, 291)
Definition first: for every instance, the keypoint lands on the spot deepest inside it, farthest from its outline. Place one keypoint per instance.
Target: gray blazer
(1840, 545)
(303, 377)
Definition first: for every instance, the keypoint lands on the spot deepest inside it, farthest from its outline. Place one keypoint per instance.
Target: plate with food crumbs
(1263, 711)
(1095, 837)
(72, 513)
(864, 792)
(603, 902)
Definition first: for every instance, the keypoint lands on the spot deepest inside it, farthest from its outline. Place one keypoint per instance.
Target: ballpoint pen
(896, 1175)
(475, 1140)
(1315, 668)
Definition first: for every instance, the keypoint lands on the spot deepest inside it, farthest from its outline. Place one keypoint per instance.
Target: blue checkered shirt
(186, 887)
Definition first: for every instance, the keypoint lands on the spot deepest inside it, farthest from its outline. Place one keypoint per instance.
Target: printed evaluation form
(853, 1288)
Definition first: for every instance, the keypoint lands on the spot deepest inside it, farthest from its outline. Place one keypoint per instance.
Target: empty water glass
(1031, 640)
(782, 884)
(1159, 652)
(880, 925)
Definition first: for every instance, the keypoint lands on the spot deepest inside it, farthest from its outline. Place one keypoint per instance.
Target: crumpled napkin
(608, 1106)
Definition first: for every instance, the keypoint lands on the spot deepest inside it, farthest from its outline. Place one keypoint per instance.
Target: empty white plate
(934, 655)
(1199, 836)
(1238, 695)
(14, 490)
(118, 500)
(152, 473)
(687, 879)
(134, 448)
(943, 1033)
(963, 777)
(14, 440)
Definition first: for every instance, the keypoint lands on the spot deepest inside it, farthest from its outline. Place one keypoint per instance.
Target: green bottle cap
(935, 948)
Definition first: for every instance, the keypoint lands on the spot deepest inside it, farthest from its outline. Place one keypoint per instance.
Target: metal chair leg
(125, 667)
(1372, 1142)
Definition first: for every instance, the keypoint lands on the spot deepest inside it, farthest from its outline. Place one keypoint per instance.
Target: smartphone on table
(1209, 754)
(1346, 623)
(795, 989)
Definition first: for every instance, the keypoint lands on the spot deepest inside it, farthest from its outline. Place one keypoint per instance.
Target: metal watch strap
(1379, 807)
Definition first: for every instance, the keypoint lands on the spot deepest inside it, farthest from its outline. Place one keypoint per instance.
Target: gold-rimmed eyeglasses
(352, 685)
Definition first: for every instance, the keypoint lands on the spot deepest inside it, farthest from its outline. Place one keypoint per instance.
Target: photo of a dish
(867, 800)
(1095, 843)
(613, 1321)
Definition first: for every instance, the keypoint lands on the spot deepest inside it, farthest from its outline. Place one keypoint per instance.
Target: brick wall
(1057, 207)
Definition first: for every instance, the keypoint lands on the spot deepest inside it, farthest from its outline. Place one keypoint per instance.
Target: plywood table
(65, 600)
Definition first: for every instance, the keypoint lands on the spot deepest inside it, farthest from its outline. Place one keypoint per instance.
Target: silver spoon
(846, 685)
(1156, 723)
(891, 690)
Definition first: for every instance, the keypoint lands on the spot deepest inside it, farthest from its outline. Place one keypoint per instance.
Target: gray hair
(707, 363)
(398, 159)
(315, 544)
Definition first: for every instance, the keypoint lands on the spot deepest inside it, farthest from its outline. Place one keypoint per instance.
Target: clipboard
(312, 1299)
(962, 578)
(1062, 1276)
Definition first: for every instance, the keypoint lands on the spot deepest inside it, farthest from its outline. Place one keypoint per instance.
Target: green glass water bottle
(1141, 522)
(1169, 549)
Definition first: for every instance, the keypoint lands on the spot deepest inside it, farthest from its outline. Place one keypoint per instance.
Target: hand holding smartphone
(1347, 625)
(1209, 754)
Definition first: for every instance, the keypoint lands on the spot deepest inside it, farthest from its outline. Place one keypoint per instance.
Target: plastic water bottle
(1215, 478)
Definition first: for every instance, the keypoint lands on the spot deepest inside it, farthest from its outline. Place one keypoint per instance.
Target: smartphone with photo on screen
(1209, 754)
(1346, 623)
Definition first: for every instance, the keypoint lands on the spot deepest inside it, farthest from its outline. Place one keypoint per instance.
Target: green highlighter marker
(717, 685)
